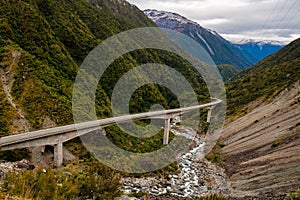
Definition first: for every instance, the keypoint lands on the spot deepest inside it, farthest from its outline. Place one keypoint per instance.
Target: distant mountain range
(222, 51)
(258, 50)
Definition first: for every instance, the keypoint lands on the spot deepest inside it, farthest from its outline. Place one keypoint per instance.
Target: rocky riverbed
(14, 166)
(197, 177)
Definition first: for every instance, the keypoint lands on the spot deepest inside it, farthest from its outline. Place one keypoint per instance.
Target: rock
(68, 174)
(191, 182)
(192, 145)
(125, 197)
(1, 173)
(24, 164)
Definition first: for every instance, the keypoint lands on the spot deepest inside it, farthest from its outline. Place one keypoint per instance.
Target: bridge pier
(166, 130)
(209, 113)
(58, 154)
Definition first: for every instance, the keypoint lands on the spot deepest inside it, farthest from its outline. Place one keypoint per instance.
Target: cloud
(214, 21)
(262, 19)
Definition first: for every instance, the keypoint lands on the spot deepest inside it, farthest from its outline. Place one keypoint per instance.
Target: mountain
(43, 43)
(259, 49)
(221, 51)
(265, 79)
(227, 71)
(260, 141)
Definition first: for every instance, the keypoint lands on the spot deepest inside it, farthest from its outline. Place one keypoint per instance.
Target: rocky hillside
(260, 149)
(221, 50)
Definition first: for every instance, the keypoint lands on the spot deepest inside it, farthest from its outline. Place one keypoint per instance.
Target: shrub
(40, 184)
(96, 181)
(293, 196)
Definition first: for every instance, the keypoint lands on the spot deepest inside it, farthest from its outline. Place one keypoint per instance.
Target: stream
(197, 176)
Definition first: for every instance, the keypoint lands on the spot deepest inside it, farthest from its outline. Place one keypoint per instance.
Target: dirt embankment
(7, 80)
(262, 148)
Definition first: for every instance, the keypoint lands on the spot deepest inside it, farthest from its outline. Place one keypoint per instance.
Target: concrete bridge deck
(58, 135)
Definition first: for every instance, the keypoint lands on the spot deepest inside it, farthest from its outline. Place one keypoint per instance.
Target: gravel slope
(262, 148)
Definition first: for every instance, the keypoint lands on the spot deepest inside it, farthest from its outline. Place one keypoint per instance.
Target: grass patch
(93, 181)
(293, 195)
(215, 156)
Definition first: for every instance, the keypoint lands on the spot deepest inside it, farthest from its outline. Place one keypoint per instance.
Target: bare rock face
(262, 150)
(20, 124)
(48, 123)
(124, 197)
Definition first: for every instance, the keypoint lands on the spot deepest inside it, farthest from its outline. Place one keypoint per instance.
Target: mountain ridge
(258, 50)
(221, 50)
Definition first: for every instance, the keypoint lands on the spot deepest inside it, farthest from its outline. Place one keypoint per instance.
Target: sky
(236, 20)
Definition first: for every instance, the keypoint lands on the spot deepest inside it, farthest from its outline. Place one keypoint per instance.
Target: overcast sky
(238, 19)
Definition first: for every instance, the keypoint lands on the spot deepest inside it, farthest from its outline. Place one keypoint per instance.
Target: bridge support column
(167, 130)
(209, 114)
(58, 154)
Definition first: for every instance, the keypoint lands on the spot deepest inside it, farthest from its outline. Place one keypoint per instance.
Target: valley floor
(197, 176)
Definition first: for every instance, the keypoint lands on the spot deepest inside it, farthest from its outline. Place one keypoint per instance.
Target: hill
(265, 79)
(260, 141)
(227, 71)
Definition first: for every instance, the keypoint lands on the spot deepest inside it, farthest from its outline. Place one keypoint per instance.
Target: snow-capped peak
(259, 42)
(212, 32)
(156, 15)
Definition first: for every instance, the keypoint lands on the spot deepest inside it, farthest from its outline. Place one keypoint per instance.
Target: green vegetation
(53, 39)
(94, 181)
(215, 156)
(14, 155)
(265, 79)
(293, 195)
(228, 71)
